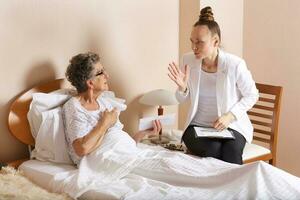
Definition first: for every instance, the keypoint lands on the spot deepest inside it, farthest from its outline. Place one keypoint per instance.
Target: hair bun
(206, 14)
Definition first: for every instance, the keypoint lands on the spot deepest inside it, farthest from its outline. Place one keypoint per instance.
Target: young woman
(221, 91)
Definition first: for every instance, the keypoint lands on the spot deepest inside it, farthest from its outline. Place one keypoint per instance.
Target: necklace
(210, 68)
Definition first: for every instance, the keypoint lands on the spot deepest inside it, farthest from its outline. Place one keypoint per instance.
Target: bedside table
(174, 143)
(152, 140)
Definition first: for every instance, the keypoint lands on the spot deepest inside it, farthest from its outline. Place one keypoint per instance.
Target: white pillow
(47, 128)
(50, 143)
(43, 102)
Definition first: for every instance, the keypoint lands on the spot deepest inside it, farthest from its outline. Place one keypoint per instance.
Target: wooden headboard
(17, 118)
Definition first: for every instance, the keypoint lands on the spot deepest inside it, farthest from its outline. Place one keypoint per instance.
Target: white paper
(211, 132)
(146, 123)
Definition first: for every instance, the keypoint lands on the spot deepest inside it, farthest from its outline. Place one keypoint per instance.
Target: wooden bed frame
(18, 124)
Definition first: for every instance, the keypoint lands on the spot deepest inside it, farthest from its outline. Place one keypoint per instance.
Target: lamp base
(159, 139)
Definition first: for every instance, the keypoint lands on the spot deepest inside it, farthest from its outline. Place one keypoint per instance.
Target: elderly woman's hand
(109, 118)
(153, 131)
(223, 122)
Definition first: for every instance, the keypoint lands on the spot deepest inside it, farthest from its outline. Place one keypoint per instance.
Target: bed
(42, 172)
(173, 175)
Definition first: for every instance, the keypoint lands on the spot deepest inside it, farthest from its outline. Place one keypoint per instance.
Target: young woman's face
(203, 43)
(100, 78)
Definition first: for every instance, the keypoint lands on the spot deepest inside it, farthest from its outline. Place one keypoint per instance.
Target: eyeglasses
(100, 72)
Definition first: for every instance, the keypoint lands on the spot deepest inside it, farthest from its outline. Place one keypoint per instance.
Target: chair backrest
(265, 115)
(17, 117)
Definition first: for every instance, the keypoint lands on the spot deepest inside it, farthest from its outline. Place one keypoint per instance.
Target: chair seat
(254, 150)
(250, 150)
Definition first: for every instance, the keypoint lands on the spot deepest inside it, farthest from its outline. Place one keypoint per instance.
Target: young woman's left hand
(223, 122)
(153, 131)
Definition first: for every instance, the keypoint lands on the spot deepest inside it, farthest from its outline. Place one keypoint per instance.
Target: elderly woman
(87, 116)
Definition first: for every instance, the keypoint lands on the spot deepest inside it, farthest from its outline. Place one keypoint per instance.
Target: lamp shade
(159, 97)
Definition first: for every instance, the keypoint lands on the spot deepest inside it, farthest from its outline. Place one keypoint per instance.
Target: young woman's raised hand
(179, 77)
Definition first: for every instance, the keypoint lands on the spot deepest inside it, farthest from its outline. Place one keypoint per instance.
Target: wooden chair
(265, 118)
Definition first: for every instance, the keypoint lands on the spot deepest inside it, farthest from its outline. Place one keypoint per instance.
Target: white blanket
(121, 170)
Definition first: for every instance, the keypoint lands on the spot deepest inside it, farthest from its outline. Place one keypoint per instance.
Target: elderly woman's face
(100, 77)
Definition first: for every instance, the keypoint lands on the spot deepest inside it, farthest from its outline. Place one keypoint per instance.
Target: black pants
(228, 150)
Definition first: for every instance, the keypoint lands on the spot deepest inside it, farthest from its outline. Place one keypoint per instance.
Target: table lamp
(159, 97)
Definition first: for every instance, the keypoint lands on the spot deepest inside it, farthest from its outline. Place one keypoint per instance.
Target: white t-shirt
(78, 122)
(207, 111)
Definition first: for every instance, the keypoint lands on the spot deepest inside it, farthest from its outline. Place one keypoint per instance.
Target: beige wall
(271, 48)
(136, 40)
(229, 15)
(189, 12)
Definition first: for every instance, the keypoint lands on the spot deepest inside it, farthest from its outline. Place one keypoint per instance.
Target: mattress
(41, 173)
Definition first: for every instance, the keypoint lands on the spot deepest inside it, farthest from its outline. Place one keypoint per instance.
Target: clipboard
(210, 132)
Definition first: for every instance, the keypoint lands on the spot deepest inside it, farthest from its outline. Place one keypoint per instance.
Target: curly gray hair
(80, 70)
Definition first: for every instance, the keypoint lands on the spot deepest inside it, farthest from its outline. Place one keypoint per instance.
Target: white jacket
(235, 88)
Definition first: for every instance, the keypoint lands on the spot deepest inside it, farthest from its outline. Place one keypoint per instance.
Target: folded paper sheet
(146, 123)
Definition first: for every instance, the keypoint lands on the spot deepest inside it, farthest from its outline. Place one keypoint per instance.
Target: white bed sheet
(41, 173)
(270, 183)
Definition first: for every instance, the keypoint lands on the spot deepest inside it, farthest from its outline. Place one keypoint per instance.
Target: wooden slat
(260, 115)
(263, 107)
(266, 100)
(268, 89)
(261, 123)
(256, 130)
(261, 139)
